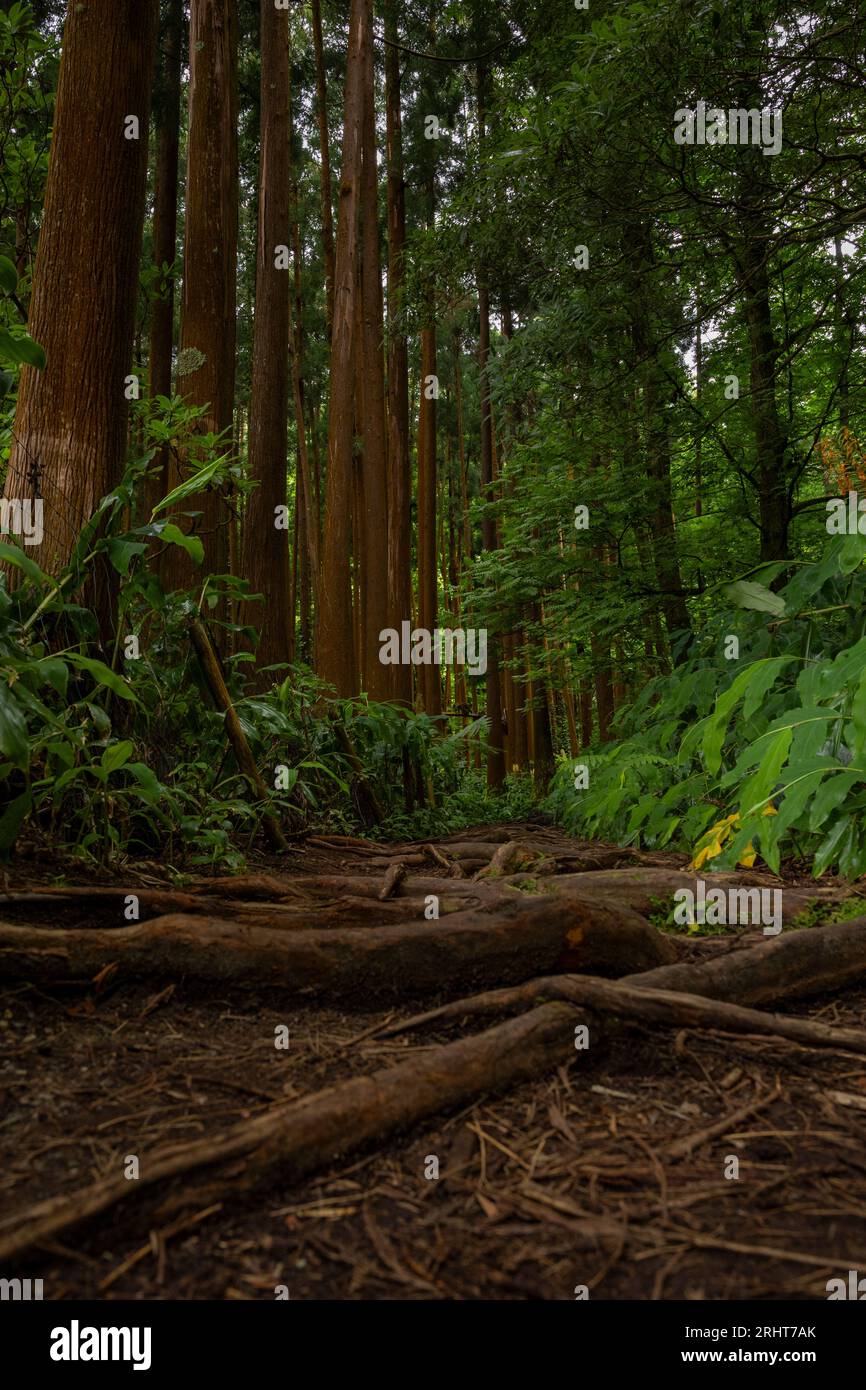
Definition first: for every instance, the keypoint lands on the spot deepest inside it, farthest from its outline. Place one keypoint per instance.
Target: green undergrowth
(112, 749)
(756, 742)
(468, 804)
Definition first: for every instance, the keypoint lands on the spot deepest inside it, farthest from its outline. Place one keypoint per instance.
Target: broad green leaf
(830, 796)
(757, 790)
(12, 820)
(852, 852)
(191, 544)
(828, 852)
(19, 348)
(115, 755)
(813, 720)
(64, 752)
(72, 774)
(852, 553)
(746, 594)
(858, 716)
(151, 789)
(14, 555)
(14, 742)
(55, 671)
(8, 275)
(753, 683)
(103, 675)
(197, 482)
(121, 552)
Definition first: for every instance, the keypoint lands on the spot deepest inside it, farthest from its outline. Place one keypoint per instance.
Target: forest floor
(609, 1174)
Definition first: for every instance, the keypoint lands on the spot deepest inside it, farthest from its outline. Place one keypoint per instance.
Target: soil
(583, 1179)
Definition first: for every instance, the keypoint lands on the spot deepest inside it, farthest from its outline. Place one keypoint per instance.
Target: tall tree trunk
(70, 427)
(167, 107)
(207, 328)
(543, 761)
(312, 518)
(324, 165)
(265, 562)
(461, 445)
(374, 563)
(427, 586)
(334, 648)
(656, 393)
(699, 386)
(603, 692)
(399, 465)
(496, 754)
(585, 713)
(304, 568)
(844, 325)
(774, 502)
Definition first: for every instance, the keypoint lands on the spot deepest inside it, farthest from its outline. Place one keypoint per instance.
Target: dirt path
(616, 1175)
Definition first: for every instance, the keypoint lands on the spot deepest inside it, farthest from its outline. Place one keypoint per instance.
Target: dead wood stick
(438, 856)
(393, 876)
(237, 738)
(682, 1148)
(296, 1140)
(666, 1007)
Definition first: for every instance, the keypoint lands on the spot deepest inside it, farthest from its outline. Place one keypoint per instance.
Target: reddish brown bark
(324, 164)
(311, 513)
(495, 738)
(374, 565)
(165, 228)
(70, 428)
(265, 555)
(399, 467)
(335, 637)
(210, 259)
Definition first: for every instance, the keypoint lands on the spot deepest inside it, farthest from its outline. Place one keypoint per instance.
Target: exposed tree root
(290, 1142)
(463, 950)
(665, 1007)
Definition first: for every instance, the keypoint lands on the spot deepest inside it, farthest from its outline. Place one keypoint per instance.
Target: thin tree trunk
(324, 165)
(752, 263)
(378, 613)
(399, 465)
(312, 516)
(265, 562)
(427, 585)
(496, 754)
(207, 333)
(304, 570)
(165, 230)
(334, 647)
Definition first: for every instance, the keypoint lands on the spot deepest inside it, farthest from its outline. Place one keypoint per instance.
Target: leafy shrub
(783, 727)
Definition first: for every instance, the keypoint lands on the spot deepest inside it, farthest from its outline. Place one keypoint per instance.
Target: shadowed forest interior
(483, 410)
(432, 533)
